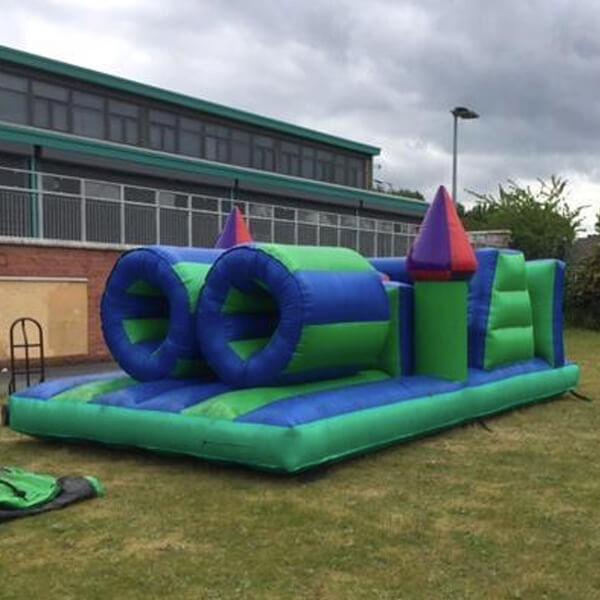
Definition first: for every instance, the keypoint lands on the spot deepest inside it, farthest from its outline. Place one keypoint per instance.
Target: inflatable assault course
(288, 357)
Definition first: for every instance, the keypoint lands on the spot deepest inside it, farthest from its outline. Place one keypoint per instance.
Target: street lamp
(460, 112)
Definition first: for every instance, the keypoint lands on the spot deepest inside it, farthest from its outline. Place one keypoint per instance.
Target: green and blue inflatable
(286, 357)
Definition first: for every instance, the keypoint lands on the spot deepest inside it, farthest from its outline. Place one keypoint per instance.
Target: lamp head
(462, 112)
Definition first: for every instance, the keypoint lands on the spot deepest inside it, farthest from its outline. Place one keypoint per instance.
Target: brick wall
(53, 261)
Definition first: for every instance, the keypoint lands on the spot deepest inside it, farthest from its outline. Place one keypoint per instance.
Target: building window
(14, 179)
(190, 137)
(339, 166)
(61, 207)
(57, 107)
(123, 122)
(216, 143)
(13, 98)
(240, 148)
(356, 173)
(88, 115)
(308, 163)
(50, 106)
(263, 156)
(93, 115)
(140, 195)
(162, 130)
(172, 199)
(324, 166)
(290, 158)
(308, 216)
(61, 185)
(204, 203)
(102, 190)
(102, 213)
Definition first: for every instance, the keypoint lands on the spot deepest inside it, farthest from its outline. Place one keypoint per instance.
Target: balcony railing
(50, 206)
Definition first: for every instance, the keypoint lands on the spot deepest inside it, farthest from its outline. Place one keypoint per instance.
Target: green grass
(466, 514)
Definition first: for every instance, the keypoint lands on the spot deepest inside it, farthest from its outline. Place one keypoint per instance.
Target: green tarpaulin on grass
(23, 493)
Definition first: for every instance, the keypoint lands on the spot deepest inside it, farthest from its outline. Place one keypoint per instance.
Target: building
(91, 164)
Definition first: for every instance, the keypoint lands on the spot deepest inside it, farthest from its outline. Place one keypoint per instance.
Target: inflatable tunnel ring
(270, 315)
(148, 309)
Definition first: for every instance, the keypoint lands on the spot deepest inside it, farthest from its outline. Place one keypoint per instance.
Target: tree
(597, 224)
(541, 222)
(583, 291)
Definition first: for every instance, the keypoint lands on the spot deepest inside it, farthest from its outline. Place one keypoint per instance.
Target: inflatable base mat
(286, 429)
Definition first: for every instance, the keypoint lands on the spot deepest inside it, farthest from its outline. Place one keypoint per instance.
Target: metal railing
(50, 206)
(496, 238)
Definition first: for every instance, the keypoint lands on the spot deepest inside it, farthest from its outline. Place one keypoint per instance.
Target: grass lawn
(511, 513)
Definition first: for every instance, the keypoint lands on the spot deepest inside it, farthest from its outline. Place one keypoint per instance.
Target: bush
(582, 301)
(541, 222)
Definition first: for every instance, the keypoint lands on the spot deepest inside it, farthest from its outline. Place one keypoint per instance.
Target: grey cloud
(385, 72)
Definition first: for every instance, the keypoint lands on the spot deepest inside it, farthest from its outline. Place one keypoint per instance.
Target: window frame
(263, 151)
(182, 130)
(51, 104)
(222, 143)
(124, 121)
(286, 158)
(238, 143)
(25, 93)
(130, 119)
(78, 105)
(163, 128)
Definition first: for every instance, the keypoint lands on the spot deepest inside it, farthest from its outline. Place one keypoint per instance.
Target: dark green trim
(56, 67)
(22, 134)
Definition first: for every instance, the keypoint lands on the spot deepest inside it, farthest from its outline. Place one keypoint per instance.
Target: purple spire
(235, 231)
(442, 251)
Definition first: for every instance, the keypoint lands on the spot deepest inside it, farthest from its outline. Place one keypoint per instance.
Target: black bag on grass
(23, 493)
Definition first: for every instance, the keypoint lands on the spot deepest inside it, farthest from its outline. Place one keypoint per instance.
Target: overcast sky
(385, 72)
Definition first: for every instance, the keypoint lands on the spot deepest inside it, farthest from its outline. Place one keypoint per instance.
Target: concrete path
(58, 372)
(82, 369)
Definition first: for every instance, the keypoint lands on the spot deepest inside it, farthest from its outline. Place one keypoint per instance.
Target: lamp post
(460, 112)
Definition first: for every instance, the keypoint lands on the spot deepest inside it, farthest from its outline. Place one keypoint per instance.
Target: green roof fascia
(149, 91)
(22, 134)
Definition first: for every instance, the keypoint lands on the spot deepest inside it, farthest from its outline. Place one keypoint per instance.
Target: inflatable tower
(441, 261)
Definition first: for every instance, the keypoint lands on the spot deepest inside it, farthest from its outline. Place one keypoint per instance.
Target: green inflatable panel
(545, 280)
(510, 324)
(441, 329)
